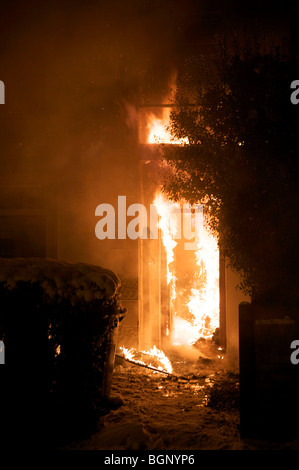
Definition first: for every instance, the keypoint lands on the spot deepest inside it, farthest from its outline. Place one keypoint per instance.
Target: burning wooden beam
(144, 365)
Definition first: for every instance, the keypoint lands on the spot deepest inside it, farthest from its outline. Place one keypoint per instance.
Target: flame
(202, 298)
(184, 332)
(154, 353)
(158, 131)
(168, 224)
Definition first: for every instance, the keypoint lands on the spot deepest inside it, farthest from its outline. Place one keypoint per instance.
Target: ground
(195, 409)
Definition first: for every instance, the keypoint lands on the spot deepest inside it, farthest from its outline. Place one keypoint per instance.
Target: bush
(57, 348)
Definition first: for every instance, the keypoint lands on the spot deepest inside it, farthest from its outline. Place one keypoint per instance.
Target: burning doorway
(179, 289)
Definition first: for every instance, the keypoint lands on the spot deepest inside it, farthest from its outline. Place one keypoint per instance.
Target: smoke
(184, 352)
(75, 72)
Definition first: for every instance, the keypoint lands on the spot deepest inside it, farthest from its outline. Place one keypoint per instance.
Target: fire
(153, 353)
(201, 297)
(168, 224)
(158, 131)
(204, 297)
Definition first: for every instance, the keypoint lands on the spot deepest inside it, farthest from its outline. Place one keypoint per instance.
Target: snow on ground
(195, 410)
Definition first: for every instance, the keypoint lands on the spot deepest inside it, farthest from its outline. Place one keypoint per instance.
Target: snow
(160, 412)
(59, 278)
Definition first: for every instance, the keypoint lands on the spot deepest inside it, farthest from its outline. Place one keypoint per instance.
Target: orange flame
(203, 297)
(154, 353)
(158, 132)
(169, 230)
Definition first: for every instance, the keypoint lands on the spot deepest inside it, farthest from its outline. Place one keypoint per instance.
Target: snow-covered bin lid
(62, 279)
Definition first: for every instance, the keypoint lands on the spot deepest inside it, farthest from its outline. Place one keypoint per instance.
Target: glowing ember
(154, 353)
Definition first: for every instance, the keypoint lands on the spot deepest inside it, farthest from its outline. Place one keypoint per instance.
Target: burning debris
(154, 359)
(184, 358)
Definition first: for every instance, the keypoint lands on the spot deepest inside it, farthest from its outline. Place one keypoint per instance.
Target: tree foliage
(242, 160)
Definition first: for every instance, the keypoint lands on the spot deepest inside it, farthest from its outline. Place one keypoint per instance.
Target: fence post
(247, 370)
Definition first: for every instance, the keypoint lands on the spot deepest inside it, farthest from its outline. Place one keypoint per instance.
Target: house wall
(28, 222)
